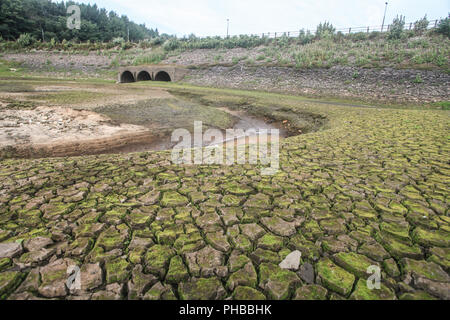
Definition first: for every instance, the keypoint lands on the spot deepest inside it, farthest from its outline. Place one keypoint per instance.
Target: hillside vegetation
(418, 48)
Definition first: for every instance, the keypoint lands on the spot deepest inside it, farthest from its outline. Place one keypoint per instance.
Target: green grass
(67, 98)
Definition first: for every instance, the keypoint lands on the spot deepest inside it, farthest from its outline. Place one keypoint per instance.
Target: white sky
(208, 17)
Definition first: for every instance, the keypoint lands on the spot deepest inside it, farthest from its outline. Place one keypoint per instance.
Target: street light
(384, 17)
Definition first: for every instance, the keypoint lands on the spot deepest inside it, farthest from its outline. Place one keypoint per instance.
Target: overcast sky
(209, 17)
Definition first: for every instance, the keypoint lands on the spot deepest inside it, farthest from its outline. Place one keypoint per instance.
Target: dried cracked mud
(370, 188)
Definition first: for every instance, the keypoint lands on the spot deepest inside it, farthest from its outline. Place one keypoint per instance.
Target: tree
(396, 29)
(44, 19)
(444, 26)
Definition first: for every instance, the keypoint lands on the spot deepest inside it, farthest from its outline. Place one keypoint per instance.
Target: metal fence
(408, 26)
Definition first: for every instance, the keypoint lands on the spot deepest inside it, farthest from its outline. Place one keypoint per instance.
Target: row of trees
(45, 20)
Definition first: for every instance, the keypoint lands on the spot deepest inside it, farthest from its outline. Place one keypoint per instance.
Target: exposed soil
(123, 127)
(56, 131)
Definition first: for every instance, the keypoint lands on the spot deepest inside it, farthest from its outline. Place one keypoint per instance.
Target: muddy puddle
(59, 132)
(254, 129)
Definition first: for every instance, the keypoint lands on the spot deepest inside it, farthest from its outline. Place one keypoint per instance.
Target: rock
(140, 283)
(10, 250)
(260, 255)
(37, 243)
(9, 280)
(390, 266)
(91, 276)
(157, 259)
(374, 251)
(355, 263)
(173, 199)
(202, 289)
(279, 227)
(243, 293)
(271, 242)
(117, 270)
(111, 292)
(306, 273)
(362, 292)
(177, 271)
(204, 262)
(31, 282)
(245, 277)
(276, 282)
(417, 295)
(5, 263)
(334, 277)
(159, 291)
(292, 261)
(252, 231)
(428, 276)
(311, 292)
(54, 277)
(34, 258)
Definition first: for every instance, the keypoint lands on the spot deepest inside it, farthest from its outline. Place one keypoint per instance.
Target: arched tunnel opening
(144, 76)
(127, 77)
(162, 76)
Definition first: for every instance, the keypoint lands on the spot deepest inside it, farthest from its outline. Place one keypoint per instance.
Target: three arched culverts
(143, 75)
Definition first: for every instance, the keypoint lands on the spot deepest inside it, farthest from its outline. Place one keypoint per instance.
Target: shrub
(418, 79)
(171, 44)
(118, 41)
(25, 40)
(444, 27)
(396, 29)
(421, 25)
(325, 30)
(126, 45)
(53, 43)
(151, 58)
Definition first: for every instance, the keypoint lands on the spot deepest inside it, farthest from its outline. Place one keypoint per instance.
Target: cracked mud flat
(371, 188)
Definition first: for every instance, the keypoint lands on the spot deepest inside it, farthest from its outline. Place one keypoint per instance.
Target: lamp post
(228, 26)
(384, 17)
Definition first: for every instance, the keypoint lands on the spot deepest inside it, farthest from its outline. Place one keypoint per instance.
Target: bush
(171, 44)
(126, 45)
(325, 30)
(420, 26)
(305, 37)
(444, 27)
(151, 58)
(396, 29)
(25, 40)
(118, 41)
(53, 42)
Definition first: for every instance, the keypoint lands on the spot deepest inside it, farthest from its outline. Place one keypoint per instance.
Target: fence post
(368, 29)
(275, 35)
(349, 30)
(410, 26)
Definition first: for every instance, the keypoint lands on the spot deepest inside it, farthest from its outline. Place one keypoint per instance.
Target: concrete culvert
(144, 76)
(127, 77)
(162, 76)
